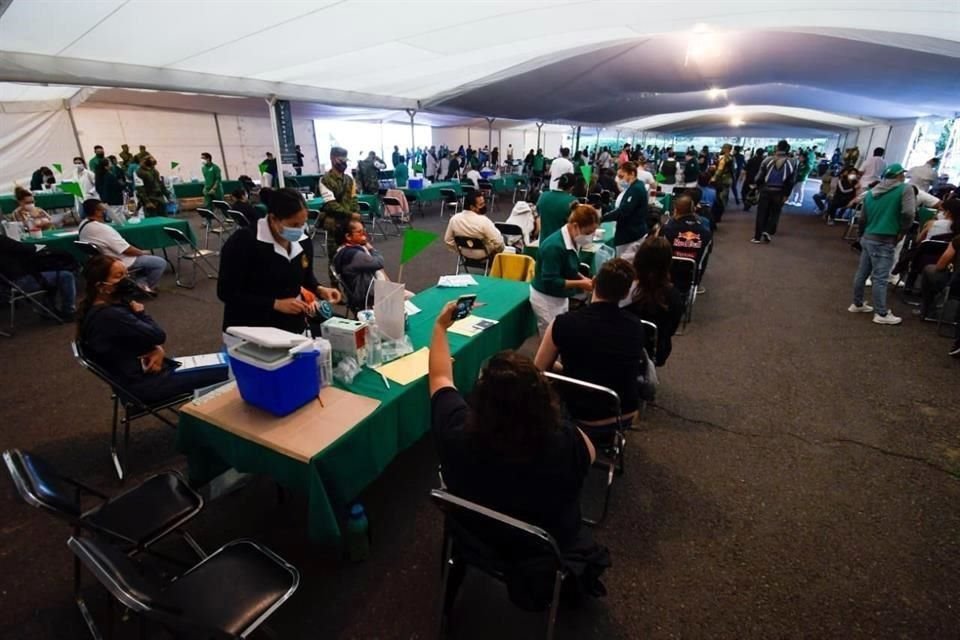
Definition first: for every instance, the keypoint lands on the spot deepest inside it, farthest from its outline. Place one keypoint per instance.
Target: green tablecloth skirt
(45, 200)
(335, 476)
(145, 235)
(432, 193)
(508, 182)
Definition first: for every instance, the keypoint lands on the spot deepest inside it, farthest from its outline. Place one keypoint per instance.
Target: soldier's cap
(338, 152)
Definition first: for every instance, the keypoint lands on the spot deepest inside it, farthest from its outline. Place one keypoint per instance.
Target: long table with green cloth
(432, 193)
(44, 199)
(195, 189)
(146, 235)
(369, 198)
(336, 475)
(508, 182)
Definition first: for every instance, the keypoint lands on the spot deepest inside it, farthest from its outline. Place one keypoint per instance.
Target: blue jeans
(150, 269)
(64, 282)
(876, 260)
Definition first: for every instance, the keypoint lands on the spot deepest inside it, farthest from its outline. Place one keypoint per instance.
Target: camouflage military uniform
(369, 176)
(340, 210)
(151, 195)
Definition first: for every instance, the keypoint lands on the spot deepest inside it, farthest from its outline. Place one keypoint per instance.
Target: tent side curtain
(31, 140)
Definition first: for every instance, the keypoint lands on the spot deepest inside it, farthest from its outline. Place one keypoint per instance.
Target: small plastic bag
(346, 370)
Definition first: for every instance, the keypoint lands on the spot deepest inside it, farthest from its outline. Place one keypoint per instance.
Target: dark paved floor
(798, 481)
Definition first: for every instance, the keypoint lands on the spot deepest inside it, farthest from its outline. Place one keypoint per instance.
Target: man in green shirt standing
(341, 204)
(888, 211)
(98, 157)
(554, 206)
(537, 166)
(212, 181)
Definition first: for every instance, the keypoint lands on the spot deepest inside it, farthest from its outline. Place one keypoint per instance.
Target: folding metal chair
(215, 224)
(502, 541)
(228, 594)
(684, 272)
(187, 250)
(486, 188)
(852, 232)
(520, 190)
(238, 218)
(396, 220)
(135, 519)
(370, 220)
(87, 248)
(450, 199)
(464, 243)
(413, 199)
(14, 294)
(610, 449)
(315, 220)
(220, 207)
(133, 409)
(512, 234)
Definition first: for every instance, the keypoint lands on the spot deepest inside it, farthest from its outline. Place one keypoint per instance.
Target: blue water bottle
(358, 534)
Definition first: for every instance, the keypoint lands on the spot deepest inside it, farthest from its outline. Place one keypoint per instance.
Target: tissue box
(348, 338)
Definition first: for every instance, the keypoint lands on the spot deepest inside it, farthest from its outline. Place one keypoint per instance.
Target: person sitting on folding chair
(689, 235)
(524, 216)
(115, 332)
(28, 268)
(653, 296)
(507, 448)
(241, 203)
(599, 343)
(473, 222)
(357, 264)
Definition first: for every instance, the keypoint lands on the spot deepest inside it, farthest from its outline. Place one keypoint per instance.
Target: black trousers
(769, 206)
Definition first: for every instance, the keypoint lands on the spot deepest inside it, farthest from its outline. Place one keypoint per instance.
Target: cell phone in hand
(464, 306)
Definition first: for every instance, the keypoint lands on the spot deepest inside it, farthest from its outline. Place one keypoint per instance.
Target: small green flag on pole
(72, 188)
(263, 167)
(174, 165)
(415, 241)
(587, 172)
(58, 167)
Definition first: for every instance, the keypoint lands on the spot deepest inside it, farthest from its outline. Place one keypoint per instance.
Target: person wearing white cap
(525, 217)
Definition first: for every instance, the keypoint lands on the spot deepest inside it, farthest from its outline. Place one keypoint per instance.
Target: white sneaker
(755, 241)
(868, 283)
(766, 236)
(863, 308)
(701, 290)
(887, 319)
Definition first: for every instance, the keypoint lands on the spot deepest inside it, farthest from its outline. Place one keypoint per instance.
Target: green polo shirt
(556, 263)
(212, 180)
(553, 207)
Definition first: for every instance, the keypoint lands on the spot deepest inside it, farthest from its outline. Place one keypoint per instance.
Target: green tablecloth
(609, 228)
(145, 235)
(369, 198)
(667, 201)
(189, 190)
(335, 476)
(432, 193)
(508, 182)
(45, 200)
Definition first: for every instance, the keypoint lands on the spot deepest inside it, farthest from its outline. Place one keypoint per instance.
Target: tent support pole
(539, 127)
(413, 139)
(490, 133)
(271, 102)
(216, 123)
(596, 147)
(576, 143)
(73, 126)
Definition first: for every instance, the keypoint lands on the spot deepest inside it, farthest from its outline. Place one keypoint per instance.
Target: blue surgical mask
(291, 234)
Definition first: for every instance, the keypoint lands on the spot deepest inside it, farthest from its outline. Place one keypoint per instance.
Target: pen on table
(386, 382)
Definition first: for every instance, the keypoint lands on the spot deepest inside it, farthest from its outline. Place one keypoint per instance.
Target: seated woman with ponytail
(266, 270)
(115, 332)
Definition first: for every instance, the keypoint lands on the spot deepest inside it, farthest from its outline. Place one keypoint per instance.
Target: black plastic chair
(396, 220)
(684, 273)
(612, 446)
(238, 218)
(490, 541)
(135, 519)
(13, 293)
(464, 243)
(228, 594)
(133, 409)
(512, 234)
(87, 248)
(450, 199)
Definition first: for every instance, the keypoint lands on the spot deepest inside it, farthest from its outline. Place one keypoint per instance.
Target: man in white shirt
(473, 176)
(644, 176)
(924, 175)
(872, 168)
(96, 232)
(560, 166)
(473, 222)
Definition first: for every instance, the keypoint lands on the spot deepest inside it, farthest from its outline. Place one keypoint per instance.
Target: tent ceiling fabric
(527, 59)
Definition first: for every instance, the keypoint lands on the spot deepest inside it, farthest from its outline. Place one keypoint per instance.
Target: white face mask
(623, 184)
(29, 207)
(583, 240)
(204, 161)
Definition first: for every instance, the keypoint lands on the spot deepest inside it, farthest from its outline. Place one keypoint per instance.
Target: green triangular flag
(72, 188)
(415, 241)
(58, 167)
(587, 172)
(263, 167)
(174, 165)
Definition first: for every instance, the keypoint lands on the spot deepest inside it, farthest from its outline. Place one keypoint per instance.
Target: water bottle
(375, 348)
(358, 534)
(324, 361)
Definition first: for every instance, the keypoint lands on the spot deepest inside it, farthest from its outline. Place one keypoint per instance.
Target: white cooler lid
(269, 336)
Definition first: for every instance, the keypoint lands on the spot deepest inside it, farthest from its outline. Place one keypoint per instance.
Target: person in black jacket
(266, 270)
(632, 208)
(241, 203)
(357, 264)
(654, 298)
(115, 332)
(22, 263)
